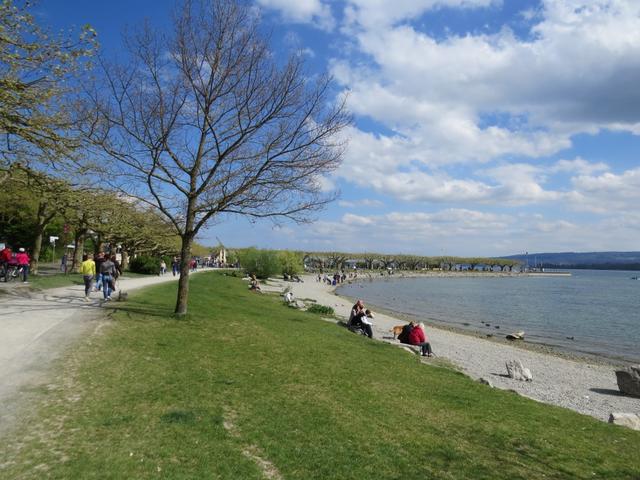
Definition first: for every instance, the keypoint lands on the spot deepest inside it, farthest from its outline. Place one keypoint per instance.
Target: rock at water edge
(516, 370)
(630, 420)
(629, 380)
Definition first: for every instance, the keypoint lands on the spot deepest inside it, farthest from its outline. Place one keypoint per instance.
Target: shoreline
(542, 348)
(497, 337)
(575, 382)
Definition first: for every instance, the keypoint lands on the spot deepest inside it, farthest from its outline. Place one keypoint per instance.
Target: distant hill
(590, 260)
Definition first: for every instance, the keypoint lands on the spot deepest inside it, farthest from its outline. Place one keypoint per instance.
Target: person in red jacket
(23, 262)
(5, 258)
(417, 337)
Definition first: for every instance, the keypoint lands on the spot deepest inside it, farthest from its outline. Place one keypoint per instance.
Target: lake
(599, 309)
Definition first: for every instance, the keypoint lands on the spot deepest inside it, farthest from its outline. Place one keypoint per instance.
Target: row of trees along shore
(371, 261)
(198, 122)
(265, 263)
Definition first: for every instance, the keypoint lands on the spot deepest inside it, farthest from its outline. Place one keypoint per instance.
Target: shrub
(145, 264)
(321, 309)
(261, 263)
(290, 262)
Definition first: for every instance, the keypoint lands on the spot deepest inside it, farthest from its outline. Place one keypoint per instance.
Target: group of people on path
(336, 279)
(360, 319)
(20, 260)
(102, 268)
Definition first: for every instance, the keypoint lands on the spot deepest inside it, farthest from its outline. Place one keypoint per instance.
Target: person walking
(98, 259)
(175, 266)
(117, 273)
(22, 258)
(163, 267)
(88, 271)
(108, 271)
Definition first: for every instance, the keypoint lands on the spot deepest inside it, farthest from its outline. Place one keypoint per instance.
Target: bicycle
(11, 272)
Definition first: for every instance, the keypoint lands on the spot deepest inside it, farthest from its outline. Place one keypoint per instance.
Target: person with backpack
(108, 271)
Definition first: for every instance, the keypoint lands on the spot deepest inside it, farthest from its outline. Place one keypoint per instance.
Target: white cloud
(484, 99)
(302, 11)
(475, 98)
(607, 193)
(580, 166)
(364, 202)
(377, 13)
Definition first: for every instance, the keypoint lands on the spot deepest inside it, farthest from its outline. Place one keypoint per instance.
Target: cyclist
(22, 258)
(5, 258)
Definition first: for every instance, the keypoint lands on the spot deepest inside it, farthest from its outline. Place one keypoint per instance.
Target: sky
(481, 127)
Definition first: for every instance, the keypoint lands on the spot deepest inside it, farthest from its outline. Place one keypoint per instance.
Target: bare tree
(207, 121)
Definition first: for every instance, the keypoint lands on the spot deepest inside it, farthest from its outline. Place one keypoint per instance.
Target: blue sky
(482, 127)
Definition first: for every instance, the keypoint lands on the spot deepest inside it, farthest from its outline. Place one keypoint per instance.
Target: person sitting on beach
(403, 337)
(418, 338)
(254, 284)
(366, 323)
(288, 297)
(357, 312)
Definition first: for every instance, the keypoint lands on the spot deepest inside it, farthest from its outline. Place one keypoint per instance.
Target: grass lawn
(55, 280)
(245, 384)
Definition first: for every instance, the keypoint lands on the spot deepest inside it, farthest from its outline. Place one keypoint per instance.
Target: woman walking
(88, 271)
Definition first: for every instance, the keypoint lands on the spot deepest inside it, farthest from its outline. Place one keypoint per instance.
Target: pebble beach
(586, 387)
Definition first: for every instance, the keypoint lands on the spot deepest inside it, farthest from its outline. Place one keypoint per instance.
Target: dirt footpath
(36, 328)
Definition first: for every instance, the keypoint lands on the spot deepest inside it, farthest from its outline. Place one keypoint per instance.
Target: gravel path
(36, 328)
(586, 388)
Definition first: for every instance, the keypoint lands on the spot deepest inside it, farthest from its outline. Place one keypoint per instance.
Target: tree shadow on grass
(133, 310)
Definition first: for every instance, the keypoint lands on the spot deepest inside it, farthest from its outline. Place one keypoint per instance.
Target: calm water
(600, 309)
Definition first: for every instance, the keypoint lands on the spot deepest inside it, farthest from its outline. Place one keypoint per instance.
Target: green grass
(45, 281)
(151, 395)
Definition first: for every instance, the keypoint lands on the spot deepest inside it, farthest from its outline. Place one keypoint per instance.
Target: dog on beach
(397, 330)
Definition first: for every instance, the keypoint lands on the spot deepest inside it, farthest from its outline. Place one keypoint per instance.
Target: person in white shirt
(366, 323)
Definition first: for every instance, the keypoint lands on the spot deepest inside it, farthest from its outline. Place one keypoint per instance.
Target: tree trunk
(37, 248)
(124, 262)
(183, 282)
(41, 223)
(97, 244)
(79, 249)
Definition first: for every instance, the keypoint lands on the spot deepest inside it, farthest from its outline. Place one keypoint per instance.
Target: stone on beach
(630, 420)
(516, 336)
(629, 380)
(517, 371)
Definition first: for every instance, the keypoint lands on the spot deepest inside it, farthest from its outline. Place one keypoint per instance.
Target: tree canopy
(36, 71)
(206, 121)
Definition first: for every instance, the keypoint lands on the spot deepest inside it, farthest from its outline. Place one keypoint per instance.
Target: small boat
(516, 336)
(635, 278)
